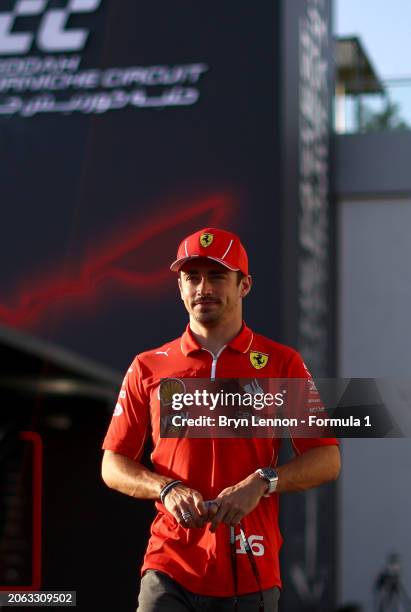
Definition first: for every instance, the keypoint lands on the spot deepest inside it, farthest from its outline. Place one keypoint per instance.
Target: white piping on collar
(220, 351)
(251, 341)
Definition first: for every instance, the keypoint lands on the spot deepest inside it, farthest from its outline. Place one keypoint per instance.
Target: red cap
(216, 244)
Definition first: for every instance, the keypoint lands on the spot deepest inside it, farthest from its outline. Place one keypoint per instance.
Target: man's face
(211, 292)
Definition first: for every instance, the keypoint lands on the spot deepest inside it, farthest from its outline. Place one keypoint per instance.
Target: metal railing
(374, 112)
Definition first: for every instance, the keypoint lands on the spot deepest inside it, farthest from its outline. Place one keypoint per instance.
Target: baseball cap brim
(179, 263)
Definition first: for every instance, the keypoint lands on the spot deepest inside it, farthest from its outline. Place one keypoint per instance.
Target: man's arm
(131, 478)
(310, 469)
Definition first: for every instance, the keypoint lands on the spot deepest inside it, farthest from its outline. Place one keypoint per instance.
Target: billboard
(124, 126)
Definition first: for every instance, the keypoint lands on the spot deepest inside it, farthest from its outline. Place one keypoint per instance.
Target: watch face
(270, 473)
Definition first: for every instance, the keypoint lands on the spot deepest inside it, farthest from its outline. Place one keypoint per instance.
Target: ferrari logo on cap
(258, 360)
(206, 239)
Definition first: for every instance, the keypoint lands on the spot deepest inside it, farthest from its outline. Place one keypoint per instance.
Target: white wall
(374, 254)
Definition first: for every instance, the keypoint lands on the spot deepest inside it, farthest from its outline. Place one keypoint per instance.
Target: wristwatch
(271, 476)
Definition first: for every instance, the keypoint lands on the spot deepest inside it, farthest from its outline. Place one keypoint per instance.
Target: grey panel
(375, 340)
(368, 164)
(375, 288)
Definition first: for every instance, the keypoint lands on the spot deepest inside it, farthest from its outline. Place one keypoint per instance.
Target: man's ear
(179, 285)
(246, 284)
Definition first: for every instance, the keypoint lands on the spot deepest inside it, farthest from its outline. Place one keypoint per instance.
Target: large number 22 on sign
(52, 36)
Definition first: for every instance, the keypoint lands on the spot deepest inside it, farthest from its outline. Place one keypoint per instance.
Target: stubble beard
(207, 317)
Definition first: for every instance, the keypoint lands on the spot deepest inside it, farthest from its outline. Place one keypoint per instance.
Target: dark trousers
(159, 593)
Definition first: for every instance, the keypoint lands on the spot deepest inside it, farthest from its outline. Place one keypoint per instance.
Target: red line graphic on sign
(37, 469)
(105, 264)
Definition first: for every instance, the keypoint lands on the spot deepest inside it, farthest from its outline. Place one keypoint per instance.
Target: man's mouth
(205, 302)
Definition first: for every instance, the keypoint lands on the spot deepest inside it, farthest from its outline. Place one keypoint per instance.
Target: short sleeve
(130, 422)
(298, 369)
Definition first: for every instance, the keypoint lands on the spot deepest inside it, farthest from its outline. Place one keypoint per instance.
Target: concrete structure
(373, 191)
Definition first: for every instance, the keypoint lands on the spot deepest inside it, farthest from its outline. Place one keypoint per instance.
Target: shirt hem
(188, 584)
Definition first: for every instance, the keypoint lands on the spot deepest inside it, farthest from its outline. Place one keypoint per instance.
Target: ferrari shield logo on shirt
(258, 360)
(206, 239)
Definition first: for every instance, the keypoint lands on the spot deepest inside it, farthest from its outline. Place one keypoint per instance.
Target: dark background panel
(93, 539)
(74, 186)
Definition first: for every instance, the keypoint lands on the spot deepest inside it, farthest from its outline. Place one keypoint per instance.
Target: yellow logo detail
(169, 387)
(258, 360)
(206, 239)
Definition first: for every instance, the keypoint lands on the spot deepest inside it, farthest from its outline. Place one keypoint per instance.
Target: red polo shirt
(196, 558)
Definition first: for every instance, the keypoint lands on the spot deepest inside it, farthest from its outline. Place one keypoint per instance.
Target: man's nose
(204, 286)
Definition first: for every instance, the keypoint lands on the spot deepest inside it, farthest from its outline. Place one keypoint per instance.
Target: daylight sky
(384, 27)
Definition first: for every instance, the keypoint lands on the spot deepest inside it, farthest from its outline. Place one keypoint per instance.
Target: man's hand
(187, 506)
(237, 501)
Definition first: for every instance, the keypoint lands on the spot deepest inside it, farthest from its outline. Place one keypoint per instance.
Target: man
(215, 540)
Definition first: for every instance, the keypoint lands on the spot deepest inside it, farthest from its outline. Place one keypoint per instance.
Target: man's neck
(213, 338)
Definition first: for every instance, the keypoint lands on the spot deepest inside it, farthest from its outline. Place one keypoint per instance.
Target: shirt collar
(241, 343)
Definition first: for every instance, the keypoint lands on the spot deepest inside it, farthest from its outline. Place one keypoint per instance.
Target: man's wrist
(260, 483)
(270, 476)
(167, 488)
